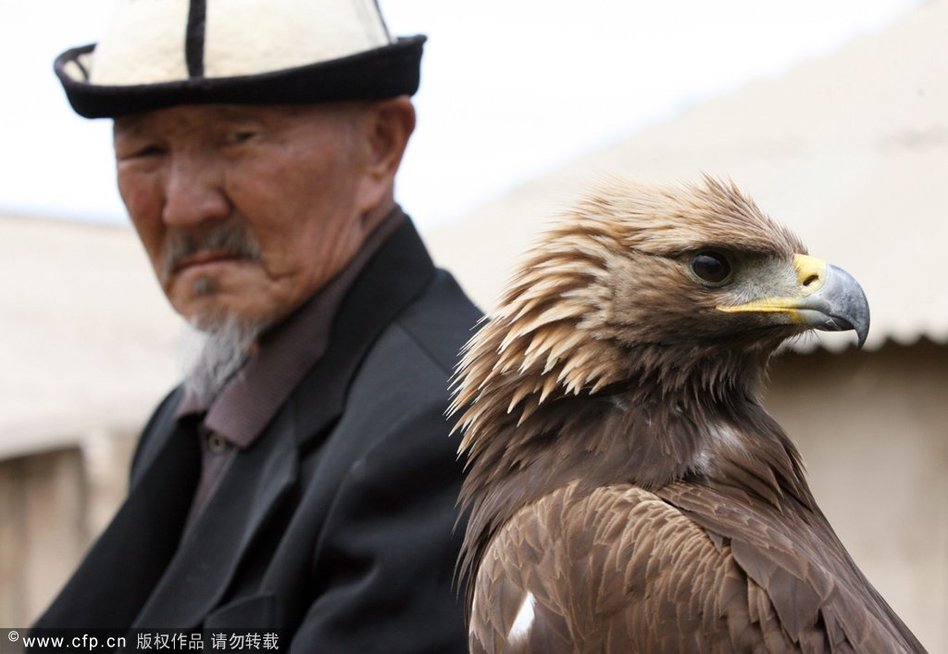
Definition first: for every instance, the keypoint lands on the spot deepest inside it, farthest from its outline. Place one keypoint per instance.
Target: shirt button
(216, 444)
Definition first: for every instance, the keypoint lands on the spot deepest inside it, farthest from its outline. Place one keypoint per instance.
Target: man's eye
(141, 152)
(238, 136)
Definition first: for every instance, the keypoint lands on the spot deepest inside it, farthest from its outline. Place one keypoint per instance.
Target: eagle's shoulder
(609, 570)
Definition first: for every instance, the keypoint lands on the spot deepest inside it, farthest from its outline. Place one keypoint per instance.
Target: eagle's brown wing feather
(616, 570)
(794, 555)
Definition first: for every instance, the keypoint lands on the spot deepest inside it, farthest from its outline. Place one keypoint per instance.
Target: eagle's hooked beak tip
(828, 299)
(838, 304)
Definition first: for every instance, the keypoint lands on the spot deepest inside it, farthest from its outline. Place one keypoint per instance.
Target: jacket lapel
(210, 551)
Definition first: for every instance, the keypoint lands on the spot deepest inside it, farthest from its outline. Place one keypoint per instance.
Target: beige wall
(52, 505)
(873, 431)
(871, 427)
(43, 531)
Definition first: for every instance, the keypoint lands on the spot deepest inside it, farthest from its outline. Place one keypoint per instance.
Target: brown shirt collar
(252, 398)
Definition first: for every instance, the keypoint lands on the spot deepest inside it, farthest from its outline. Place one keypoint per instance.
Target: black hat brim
(385, 72)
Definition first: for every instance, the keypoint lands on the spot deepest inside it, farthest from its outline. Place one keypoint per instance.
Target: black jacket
(336, 527)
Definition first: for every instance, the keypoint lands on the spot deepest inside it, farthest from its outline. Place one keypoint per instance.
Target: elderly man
(301, 481)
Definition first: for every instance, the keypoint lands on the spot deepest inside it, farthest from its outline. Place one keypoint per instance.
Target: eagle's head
(693, 269)
(634, 333)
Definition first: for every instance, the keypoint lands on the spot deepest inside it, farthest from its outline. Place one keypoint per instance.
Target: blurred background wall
(850, 149)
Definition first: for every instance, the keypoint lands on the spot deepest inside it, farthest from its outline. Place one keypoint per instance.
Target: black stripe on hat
(378, 10)
(194, 38)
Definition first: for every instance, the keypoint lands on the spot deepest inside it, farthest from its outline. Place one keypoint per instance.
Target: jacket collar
(396, 276)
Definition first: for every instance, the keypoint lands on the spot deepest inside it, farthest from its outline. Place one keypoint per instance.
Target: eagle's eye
(711, 267)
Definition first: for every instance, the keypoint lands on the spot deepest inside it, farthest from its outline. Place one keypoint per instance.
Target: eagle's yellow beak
(828, 299)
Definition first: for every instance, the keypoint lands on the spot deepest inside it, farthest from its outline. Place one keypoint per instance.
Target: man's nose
(194, 194)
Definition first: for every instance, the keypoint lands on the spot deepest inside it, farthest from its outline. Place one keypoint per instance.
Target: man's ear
(393, 122)
(388, 124)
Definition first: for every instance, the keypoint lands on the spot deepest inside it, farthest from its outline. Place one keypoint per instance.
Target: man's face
(245, 211)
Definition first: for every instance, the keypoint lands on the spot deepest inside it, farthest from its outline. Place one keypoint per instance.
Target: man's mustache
(232, 239)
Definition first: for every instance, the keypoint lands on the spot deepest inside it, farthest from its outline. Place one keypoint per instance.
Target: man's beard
(219, 343)
(215, 353)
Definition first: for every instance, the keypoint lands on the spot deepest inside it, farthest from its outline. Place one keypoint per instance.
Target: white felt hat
(159, 53)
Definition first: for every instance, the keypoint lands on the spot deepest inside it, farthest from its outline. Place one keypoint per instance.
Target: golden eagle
(627, 490)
